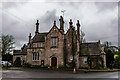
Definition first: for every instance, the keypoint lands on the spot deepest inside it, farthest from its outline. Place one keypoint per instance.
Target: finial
(78, 24)
(29, 34)
(70, 22)
(54, 22)
(61, 17)
(37, 21)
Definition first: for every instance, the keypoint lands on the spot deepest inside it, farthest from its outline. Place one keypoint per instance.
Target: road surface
(49, 74)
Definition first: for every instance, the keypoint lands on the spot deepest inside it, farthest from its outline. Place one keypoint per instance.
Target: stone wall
(21, 56)
(41, 56)
(69, 47)
(57, 51)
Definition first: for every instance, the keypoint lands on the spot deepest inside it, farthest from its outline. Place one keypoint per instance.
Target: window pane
(54, 41)
(38, 56)
(33, 56)
(37, 44)
(40, 44)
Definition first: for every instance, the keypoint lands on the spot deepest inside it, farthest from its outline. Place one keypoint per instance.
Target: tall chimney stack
(30, 40)
(78, 30)
(30, 37)
(61, 24)
(37, 28)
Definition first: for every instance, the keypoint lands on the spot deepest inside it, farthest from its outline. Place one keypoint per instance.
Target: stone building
(21, 54)
(93, 50)
(57, 48)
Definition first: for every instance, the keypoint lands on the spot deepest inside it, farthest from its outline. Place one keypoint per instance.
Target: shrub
(86, 67)
(26, 65)
(46, 66)
(64, 67)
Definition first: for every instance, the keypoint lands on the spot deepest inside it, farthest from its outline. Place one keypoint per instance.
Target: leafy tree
(82, 35)
(109, 54)
(7, 57)
(109, 57)
(117, 62)
(7, 44)
(95, 62)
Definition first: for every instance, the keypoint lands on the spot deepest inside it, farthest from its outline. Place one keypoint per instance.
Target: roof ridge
(43, 33)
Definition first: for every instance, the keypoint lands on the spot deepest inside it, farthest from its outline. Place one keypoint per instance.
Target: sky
(99, 20)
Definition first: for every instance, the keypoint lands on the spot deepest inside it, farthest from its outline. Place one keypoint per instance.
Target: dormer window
(40, 44)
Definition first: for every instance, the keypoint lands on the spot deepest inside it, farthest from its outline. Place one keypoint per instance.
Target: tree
(82, 35)
(117, 62)
(7, 57)
(7, 44)
(7, 47)
(95, 62)
(109, 57)
(109, 54)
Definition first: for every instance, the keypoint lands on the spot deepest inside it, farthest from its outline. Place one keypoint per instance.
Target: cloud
(98, 20)
(20, 29)
(102, 6)
(46, 21)
(13, 27)
(7, 5)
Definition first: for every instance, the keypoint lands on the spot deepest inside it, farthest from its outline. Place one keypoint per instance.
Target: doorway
(54, 62)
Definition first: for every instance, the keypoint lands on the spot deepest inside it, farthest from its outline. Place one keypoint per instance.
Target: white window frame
(35, 57)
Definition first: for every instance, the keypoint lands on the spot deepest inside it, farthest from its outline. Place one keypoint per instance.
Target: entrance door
(54, 62)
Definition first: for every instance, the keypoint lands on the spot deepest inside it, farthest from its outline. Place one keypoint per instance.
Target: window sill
(35, 60)
(54, 47)
(37, 47)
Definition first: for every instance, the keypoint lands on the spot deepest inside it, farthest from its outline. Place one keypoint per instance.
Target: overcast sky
(99, 20)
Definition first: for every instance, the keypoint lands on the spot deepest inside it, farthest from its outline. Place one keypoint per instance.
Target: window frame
(35, 45)
(54, 42)
(40, 44)
(35, 56)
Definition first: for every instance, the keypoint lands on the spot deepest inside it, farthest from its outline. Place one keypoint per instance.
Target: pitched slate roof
(40, 37)
(91, 48)
(18, 52)
(23, 51)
